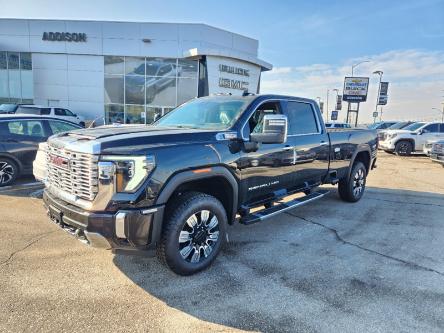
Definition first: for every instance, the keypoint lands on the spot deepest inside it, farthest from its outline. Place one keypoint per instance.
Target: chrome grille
(79, 177)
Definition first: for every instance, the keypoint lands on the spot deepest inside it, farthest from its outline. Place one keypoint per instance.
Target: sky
(311, 44)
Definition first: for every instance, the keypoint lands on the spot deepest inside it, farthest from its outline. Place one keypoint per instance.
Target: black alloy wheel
(352, 189)
(403, 148)
(193, 233)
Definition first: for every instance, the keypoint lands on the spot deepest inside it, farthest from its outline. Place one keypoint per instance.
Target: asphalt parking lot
(377, 265)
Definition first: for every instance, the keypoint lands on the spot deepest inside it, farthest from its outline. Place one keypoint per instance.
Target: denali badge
(59, 161)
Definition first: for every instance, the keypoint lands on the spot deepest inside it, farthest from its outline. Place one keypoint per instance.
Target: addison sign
(230, 83)
(64, 36)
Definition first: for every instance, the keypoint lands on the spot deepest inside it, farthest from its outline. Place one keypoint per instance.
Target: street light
(440, 111)
(356, 65)
(379, 90)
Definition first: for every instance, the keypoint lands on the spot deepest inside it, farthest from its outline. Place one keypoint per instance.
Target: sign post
(355, 92)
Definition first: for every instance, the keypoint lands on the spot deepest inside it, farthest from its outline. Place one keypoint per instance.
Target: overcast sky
(312, 44)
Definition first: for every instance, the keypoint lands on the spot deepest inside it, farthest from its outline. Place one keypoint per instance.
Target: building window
(16, 82)
(146, 88)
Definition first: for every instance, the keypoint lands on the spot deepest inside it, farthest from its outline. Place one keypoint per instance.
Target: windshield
(7, 108)
(217, 113)
(399, 125)
(414, 126)
(374, 126)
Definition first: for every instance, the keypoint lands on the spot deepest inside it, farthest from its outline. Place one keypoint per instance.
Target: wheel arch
(216, 181)
(14, 159)
(412, 141)
(362, 154)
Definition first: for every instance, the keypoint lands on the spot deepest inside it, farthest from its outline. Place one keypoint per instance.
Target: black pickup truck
(176, 186)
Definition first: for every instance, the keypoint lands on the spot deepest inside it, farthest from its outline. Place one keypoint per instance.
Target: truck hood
(128, 138)
(399, 131)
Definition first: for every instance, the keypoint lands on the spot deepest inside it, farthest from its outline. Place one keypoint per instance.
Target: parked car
(427, 147)
(412, 138)
(381, 125)
(55, 112)
(437, 152)
(337, 125)
(398, 125)
(177, 185)
(10, 108)
(20, 136)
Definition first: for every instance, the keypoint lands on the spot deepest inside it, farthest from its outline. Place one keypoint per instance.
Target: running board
(282, 207)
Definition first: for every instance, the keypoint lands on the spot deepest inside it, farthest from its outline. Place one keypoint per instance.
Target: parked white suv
(412, 138)
(48, 111)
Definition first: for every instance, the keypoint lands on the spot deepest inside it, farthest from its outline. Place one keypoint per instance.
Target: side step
(282, 207)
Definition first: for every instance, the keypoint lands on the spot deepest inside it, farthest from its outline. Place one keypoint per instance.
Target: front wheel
(403, 148)
(193, 233)
(352, 189)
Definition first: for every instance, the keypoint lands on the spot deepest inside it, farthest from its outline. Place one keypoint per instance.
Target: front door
(267, 169)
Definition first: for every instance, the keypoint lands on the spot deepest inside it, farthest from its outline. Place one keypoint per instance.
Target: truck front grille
(72, 172)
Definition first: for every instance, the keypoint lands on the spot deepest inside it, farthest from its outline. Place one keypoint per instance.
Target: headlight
(391, 136)
(131, 171)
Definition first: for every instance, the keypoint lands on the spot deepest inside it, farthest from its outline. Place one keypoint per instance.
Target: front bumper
(124, 230)
(438, 158)
(386, 145)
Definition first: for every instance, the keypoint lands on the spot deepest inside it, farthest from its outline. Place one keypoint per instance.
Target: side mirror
(274, 129)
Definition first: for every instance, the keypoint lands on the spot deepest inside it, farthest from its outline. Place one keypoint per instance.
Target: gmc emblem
(59, 161)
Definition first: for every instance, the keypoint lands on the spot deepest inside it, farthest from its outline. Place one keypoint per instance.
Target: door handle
(323, 143)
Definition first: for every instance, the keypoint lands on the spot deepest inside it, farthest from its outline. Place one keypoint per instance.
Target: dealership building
(123, 71)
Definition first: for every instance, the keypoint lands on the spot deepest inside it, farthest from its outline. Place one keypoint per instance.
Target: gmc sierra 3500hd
(176, 186)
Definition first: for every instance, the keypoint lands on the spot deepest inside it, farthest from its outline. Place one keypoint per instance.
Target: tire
(352, 189)
(9, 171)
(403, 148)
(193, 233)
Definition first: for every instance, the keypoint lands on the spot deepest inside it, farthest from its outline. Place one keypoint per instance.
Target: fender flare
(352, 160)
(187, 176)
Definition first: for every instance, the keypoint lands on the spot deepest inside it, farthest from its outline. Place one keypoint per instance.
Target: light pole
(356, 65)
(326, 118)
(442, 112)
(379, 90)
(337, 93)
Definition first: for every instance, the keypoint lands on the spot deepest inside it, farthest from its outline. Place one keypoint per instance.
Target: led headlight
(391, 136)
(131, 171)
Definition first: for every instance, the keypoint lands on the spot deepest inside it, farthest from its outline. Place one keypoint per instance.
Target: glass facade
(16, 82)
(139, 90)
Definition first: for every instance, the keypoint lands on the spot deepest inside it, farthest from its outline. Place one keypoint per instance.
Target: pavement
(373, 266)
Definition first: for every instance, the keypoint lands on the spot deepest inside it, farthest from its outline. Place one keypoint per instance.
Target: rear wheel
(403, 148)
(8, 171)
(193, 233)
(352, 189)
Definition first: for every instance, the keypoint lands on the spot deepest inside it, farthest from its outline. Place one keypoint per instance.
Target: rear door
(310, 142)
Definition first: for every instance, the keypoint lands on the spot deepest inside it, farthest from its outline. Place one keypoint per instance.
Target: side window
(17, 127)
(59, 112)
(301, 118)
(256, 121)
(164, 70)
(26, 128)
(432, 128)
(69, 113)
(45, 111)
(35, 128)
(60, 126)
